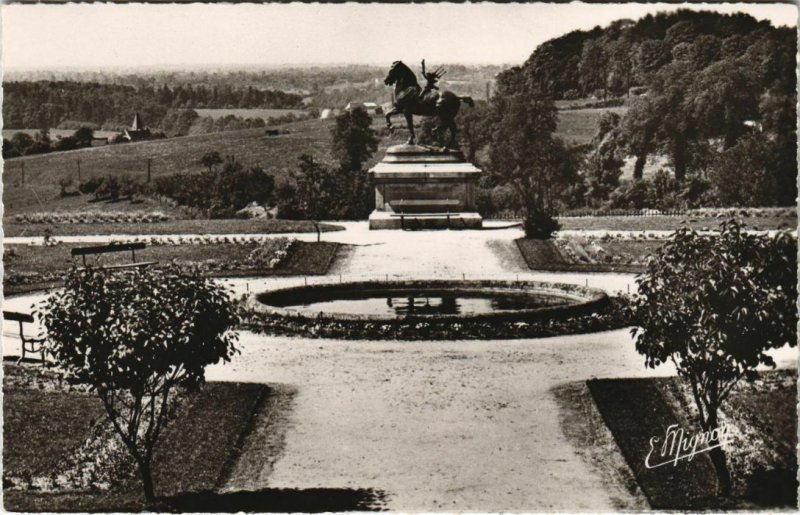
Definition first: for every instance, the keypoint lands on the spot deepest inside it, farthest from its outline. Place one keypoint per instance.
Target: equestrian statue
(411, 99)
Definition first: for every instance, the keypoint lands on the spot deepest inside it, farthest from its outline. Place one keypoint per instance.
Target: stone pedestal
(421, 187)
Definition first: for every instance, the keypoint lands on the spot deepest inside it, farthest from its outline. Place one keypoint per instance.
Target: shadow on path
(286, 500)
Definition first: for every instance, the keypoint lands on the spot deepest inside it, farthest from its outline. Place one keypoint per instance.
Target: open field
(278, 155)
(57, 133)
(264, 114)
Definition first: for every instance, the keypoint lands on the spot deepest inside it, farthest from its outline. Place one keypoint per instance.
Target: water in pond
(393, 304)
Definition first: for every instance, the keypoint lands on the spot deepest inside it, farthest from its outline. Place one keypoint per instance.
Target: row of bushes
(91, 217)
(614, 316)
(217, 193)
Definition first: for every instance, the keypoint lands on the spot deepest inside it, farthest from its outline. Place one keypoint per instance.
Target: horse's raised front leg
(410, 121)
(389, 115)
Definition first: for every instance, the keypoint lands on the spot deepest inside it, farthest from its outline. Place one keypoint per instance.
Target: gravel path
(438, 425)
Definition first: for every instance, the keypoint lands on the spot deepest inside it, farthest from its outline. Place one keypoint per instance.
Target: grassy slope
(580, 125)
(276, 154)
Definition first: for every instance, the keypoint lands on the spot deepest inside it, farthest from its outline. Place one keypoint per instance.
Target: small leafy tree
(210, 160)
(134, 337)
(714, 305)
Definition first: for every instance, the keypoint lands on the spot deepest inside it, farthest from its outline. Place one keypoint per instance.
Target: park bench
(114, 247)
(29, 345)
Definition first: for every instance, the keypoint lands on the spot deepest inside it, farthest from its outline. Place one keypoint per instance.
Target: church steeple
(137, 124)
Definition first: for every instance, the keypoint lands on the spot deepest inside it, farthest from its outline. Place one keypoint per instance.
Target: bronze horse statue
(411, 99)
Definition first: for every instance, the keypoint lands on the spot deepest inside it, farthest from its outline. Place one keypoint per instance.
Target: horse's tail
(468, 101)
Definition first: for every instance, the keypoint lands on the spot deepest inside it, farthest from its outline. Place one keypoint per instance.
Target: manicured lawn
(636, 410)
(228, 226)
(195, 454)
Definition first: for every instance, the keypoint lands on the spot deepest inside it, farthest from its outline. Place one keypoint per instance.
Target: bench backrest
(113, 247)
(17, 317)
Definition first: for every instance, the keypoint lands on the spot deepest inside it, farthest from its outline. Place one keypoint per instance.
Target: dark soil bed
(544, 255)
(635, 410)
(195, 454)
(43, 267)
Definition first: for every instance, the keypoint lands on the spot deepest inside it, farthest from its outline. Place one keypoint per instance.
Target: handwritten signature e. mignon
(678, 446)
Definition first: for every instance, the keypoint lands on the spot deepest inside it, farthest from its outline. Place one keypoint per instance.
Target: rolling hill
(276, 154)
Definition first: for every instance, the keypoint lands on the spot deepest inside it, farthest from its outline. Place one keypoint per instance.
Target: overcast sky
(101, 35)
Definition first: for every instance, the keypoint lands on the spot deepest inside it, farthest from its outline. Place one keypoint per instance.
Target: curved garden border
(590, 310)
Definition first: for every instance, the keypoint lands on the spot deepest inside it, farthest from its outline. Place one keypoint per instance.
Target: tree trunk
(638, 167)
(679, 159)
(718, 459)
(147, 480)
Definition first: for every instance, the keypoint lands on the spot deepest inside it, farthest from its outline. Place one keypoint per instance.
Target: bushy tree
(603, 165)
(714, 305)
(133, 337)
(353, 140)
(84, 136)
(745, 164)
(526, 155)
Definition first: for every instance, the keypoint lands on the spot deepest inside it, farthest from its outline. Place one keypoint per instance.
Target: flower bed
(594, 312)
(91, 217)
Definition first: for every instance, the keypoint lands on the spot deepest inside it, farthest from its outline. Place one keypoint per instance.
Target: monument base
(386, 220)
(420, 187)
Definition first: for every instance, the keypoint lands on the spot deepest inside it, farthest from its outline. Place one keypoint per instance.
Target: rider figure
(431, 79)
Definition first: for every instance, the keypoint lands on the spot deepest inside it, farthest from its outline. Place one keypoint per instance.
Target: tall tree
(353, 139)
(526, 155)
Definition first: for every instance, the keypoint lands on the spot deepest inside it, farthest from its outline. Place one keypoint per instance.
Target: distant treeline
(45, 104)
(629, 53)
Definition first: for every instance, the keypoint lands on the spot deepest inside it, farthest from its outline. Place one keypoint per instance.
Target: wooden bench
(29, 345)
(114, 247)
(444, 203)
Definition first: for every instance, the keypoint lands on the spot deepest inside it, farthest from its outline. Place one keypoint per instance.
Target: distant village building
(328, 113)
(369, 107)
(137, 131)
